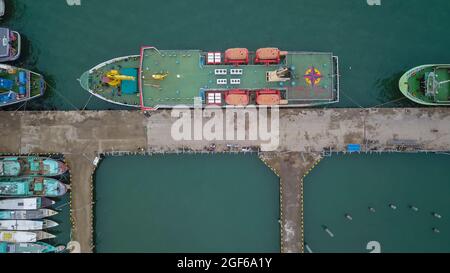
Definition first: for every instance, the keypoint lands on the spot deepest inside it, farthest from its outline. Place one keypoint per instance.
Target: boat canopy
(9, 168)
(4, 43)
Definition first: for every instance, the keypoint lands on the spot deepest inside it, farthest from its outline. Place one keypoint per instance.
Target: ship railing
(329, 153)
(337, 76)
(19, 45)
(110, 62)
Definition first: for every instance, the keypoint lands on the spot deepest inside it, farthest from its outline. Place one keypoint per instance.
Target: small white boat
(26, 203)
(26, 225)
(24, 236)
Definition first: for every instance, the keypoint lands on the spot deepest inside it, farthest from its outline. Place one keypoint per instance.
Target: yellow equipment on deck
(160, 77)
(115, 78)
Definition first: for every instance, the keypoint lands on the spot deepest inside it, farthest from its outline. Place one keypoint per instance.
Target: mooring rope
(89, 100)
(371, 107)
(62, 96)
(392, 101)
(22, 105)
(352, 100)
(61, 206)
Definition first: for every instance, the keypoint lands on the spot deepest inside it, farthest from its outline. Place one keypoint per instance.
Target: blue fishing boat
(19, 85)
(31, 186)
(31, 166)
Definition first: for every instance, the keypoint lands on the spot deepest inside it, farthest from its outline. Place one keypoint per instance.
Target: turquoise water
(350, 184)
(376, 44)
(186, 203)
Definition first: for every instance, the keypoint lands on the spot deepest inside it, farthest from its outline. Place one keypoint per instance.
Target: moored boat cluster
(27, 184)
(17, 85)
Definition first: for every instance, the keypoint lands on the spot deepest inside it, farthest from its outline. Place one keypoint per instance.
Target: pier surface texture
(81, 136)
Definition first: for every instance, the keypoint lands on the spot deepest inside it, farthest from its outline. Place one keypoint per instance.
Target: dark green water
(186, 203)
(353, 183)
(375, 43)
(63, 231)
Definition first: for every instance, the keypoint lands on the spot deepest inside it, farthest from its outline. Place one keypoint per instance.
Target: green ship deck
(427, 84)
(313, 81)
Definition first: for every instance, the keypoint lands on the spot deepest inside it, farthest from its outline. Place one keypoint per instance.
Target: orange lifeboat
(268, 97)
(269, 55)
(237, 98)
(236, 56)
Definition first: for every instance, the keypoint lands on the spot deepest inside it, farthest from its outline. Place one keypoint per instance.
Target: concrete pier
(291, 167)
(81, 136)
(316, 130)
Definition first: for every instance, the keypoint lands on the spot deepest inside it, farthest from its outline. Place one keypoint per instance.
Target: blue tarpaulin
(22, 90)
(7, 97)
(129, 87)
(22, 77)
(6, 84)
(352, 148)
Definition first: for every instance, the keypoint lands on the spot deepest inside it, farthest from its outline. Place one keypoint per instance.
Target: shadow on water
(14, 11)
(389, 93)
(10, 11)
(29, 56)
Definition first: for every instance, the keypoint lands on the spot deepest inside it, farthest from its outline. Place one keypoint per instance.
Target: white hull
(28, 214)
(26, 225)
(21, 204)
(86, 85)
(24, 237)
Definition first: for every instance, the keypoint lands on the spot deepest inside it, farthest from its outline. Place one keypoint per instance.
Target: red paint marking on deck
(141, 97)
